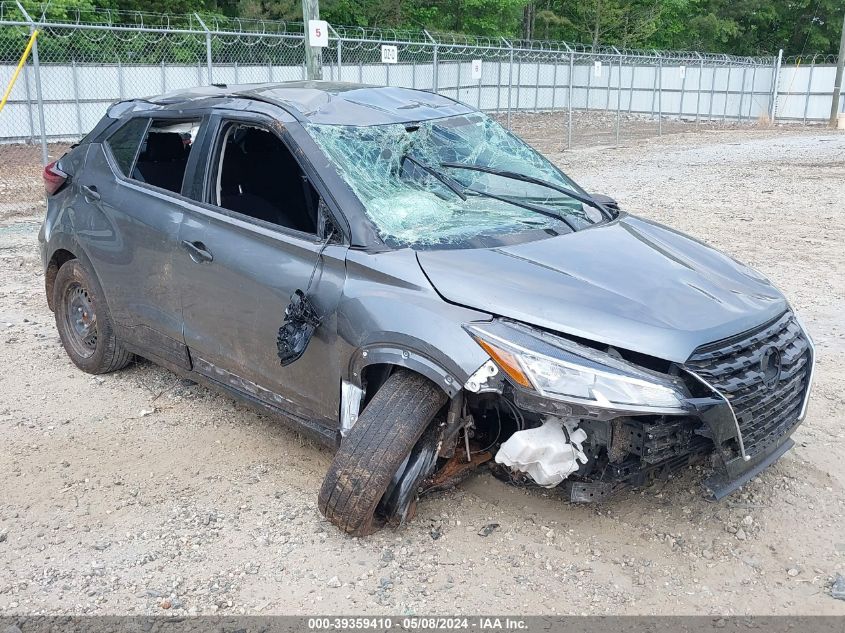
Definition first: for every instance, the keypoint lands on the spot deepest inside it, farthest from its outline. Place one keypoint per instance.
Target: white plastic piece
(479, 378)
(350, 405)
(544, 452)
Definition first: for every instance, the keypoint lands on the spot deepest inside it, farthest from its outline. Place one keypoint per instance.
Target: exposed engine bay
(589, 458)
(611, 418)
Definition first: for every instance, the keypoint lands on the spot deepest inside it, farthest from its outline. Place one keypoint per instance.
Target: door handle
(90, 192)
(198, 252)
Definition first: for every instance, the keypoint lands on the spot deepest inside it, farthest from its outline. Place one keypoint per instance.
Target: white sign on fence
(476, 69)
(389, 54)
(318, 33)
(682, 70)
(597, 69)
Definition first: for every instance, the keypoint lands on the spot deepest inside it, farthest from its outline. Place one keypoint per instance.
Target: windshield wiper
(462, 192)
(534, 181)
(453, 186)
(525, 205)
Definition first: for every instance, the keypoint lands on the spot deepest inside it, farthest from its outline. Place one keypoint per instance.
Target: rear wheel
(378, 446)
(83, 321)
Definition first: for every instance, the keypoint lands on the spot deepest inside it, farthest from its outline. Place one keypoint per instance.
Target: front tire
(84, 323)
(375, 448)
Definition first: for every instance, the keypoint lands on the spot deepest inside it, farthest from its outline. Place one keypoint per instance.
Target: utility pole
(313, 54)
(837, 84)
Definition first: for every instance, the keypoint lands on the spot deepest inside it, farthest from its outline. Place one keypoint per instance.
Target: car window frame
(148, 121)
(150, 117)
(204, 176)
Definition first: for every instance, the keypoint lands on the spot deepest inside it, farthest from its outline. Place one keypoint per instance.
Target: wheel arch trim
(65, 242)
(403, 356)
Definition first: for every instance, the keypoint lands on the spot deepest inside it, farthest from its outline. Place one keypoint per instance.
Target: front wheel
(379, 444)
(83, 321)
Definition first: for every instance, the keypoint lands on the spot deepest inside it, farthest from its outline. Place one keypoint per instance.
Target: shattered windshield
(410, 180)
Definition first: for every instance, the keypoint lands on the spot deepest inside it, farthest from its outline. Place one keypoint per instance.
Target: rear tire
(375, 449)
(84, 323)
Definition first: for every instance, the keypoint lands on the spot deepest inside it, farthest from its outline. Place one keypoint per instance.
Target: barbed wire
(808, 60)
(355, 37)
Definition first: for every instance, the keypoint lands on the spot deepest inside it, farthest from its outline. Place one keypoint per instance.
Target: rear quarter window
(155, 151)
(124, 143)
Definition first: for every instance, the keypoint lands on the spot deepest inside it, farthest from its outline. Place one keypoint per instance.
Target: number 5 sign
(318, 33)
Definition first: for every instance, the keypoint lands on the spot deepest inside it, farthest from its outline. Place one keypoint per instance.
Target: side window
(256, 175)
(164, 154)
(124, 143)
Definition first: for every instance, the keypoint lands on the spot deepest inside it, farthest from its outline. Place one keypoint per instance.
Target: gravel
(204, 507)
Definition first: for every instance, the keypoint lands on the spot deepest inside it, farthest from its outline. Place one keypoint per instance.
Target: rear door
(127, 214)
(250, 244)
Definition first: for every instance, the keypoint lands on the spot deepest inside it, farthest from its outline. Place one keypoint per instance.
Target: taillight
(54, 178)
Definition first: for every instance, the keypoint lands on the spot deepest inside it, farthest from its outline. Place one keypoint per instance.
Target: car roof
(324, 102)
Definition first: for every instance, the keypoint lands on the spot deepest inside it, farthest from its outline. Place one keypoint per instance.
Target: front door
(244, 253)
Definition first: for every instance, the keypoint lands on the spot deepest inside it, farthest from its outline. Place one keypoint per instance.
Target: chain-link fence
(85, 60)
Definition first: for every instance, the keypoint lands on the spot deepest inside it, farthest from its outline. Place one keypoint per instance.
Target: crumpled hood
(632, 283)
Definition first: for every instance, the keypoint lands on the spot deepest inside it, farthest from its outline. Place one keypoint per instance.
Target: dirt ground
(137, 493)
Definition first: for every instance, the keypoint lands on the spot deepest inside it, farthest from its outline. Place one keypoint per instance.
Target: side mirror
(607, 201)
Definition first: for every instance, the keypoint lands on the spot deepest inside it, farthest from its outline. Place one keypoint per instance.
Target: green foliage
(741, 27)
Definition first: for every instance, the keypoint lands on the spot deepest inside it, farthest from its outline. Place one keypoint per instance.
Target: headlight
(564, 370)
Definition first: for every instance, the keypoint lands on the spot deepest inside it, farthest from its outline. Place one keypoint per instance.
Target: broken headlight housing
(562, 369)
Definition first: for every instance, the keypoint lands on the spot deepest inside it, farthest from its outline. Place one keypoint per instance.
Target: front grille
(735, 367)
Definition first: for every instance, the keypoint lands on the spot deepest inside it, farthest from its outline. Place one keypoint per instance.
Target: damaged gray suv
(399, 277)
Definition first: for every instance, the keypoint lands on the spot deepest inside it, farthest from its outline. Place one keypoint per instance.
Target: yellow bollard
(18, 69)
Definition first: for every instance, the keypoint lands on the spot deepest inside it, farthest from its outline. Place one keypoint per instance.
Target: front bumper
(746, 396)
(721, 483)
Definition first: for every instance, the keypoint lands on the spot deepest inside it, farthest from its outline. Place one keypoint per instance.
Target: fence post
(39, 97)
(776, 86)
(727, 94)
(36, 67)
(753, 83)
(809, 89)
(120, 87)
(435, 80)
(653, 93)
(479, 86)
(698, 92)
(618, 97)
(458, 82)
(659, 95)
(339, 51)
(510, 79)
(569, 101)
(436, 75)
(499, 87)
(208, 64)
(742, 91)
(610, 78)
(76, 99)
(29, 103)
